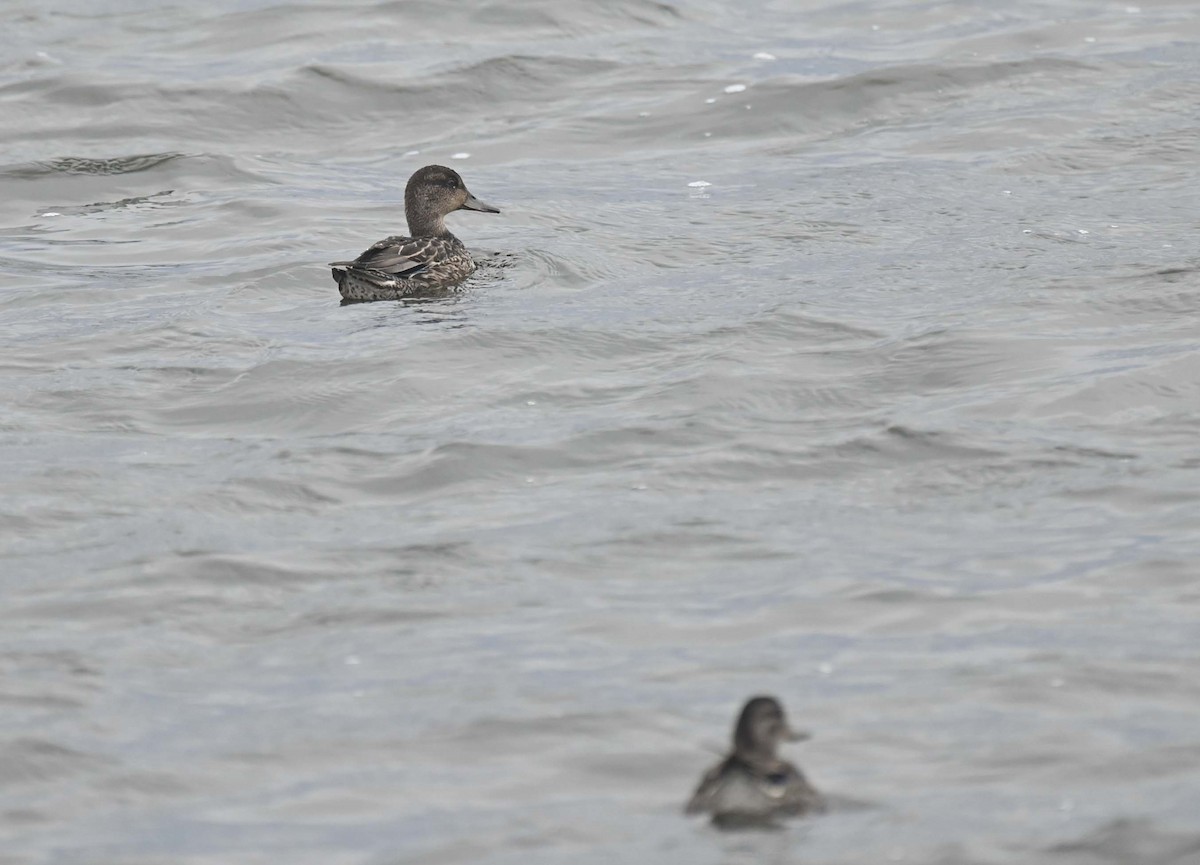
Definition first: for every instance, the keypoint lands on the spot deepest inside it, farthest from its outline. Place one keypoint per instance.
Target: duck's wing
(702, 800)
(801, 796)
(397, 256)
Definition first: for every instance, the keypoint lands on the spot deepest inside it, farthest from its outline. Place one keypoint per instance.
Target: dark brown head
(432, 192)
(761, 727)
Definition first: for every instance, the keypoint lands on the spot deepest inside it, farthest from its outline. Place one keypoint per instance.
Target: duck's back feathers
(398, 267)
(737, 788)
(702, 800)
(404, 256)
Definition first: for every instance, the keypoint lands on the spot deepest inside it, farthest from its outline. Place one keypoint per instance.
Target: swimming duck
(432, 258)
(753, 785)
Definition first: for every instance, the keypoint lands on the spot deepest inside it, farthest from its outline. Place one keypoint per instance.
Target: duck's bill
(473, 203)
(796, 735)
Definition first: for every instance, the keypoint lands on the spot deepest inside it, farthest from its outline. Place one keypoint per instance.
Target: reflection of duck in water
(431, 259)
(753, 785)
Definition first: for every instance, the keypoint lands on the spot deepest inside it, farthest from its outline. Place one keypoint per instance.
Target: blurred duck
(753, 786)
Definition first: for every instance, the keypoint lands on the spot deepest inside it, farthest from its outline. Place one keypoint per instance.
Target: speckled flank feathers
(440, 262)
(431, 259)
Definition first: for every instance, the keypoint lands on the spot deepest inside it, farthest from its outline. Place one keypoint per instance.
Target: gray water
(896, 419)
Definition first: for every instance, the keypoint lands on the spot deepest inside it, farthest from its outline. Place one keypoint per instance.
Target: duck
(430, 258)
(753, 785)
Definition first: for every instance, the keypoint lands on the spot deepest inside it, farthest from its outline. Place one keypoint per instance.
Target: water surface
(896, 418)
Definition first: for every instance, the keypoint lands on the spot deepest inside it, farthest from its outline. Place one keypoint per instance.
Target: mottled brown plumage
(431, 259)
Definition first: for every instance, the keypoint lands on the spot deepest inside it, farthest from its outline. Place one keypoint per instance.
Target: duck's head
(434, 191)
(762, 726)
